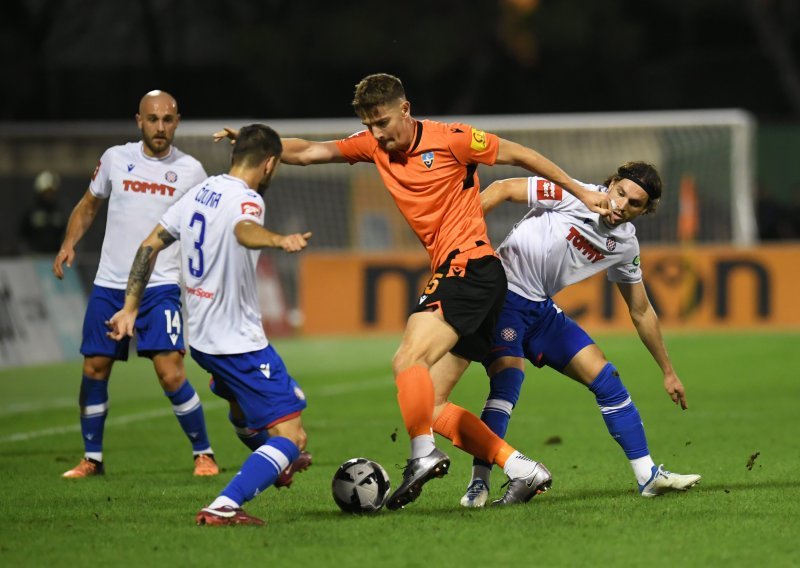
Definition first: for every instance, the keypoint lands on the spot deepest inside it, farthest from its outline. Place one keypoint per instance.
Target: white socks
(642, 469)
(519, 465)
(421, 446)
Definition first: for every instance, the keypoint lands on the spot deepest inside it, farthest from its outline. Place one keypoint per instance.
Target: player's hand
(65, 255)
(295, 242)
(674, 388)
(597, 201)
(226, 133)
(121, 324)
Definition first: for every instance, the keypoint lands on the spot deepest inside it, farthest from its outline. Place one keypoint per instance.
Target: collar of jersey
(240, 180)
(153, 158)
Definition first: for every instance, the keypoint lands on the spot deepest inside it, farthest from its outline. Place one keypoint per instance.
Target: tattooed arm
(121, 324)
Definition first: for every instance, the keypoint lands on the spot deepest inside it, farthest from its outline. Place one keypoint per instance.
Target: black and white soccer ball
(360, 486)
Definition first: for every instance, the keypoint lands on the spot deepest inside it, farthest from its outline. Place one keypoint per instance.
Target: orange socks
(415, 397)
(470, 434)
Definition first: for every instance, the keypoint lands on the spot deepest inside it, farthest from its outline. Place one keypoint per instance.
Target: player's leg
(426, 339)
(159, 328)
(526, 477)
(260, 470)
(93, 402)
(506, 375)
(187, 408)
(254, 438)
(99, 352)
(250, 437)
(274, 404)
(590, 367)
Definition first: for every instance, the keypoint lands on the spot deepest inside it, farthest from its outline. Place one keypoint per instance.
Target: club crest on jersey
(253, 209)
(546, 189)
(478, 142)
(171, 176)
(508, 334)
(611, 244)
(427, 159)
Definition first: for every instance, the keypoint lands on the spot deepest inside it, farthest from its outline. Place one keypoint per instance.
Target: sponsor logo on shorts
(478, 142)
(298, 392)
(171, 176)
(508, 334)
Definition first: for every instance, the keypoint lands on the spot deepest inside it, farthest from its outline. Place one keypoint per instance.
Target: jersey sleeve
(171, 219)
(629, 270)
(358, 147)
(100, 185)
(544, 194)
(249, 207)
(198, 174)
(472, 146)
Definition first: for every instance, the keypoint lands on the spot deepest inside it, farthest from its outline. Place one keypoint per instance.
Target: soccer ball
(360, 486)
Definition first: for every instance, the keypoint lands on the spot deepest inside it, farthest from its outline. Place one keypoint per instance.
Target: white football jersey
(560, 242)
(139, 189)
(218, 272)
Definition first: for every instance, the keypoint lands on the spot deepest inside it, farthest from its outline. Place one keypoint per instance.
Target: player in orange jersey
(430, 168)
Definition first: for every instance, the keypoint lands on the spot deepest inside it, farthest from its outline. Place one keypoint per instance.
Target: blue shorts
(159, 324)
(258, 381)
(538, 331)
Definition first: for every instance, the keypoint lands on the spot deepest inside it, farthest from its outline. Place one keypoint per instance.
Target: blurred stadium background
(708, 90)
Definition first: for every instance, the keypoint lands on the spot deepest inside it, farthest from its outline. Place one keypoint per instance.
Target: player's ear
(271, 163)
(405, 108)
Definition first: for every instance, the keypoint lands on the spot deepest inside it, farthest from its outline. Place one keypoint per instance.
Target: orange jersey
(435, 183)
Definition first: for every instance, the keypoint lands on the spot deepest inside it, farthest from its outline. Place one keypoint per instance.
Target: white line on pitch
(332, 390)
(38, 406)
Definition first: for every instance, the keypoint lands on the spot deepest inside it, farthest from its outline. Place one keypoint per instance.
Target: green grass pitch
(743, 393)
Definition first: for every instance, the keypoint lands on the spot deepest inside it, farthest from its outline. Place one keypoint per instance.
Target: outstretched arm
(81, 218)
(122, 322)
(296, 151)
(645, 320)
(300, 152)
(254, 236)
(522, 156)
(514, 190)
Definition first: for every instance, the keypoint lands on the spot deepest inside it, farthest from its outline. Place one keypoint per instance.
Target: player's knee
(291, 429)
(404, 359)
(97, 368)
(171, 379)
(607, 386)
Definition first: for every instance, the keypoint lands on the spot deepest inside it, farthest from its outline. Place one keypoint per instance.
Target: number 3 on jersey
(196, 266)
